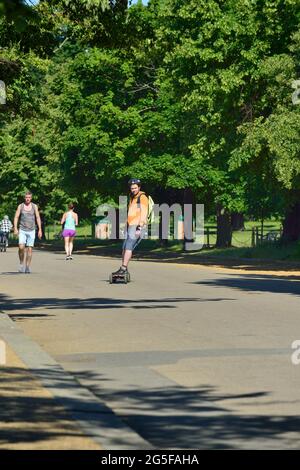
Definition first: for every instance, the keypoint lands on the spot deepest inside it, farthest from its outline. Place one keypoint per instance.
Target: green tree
(212, 55)
(270, 147)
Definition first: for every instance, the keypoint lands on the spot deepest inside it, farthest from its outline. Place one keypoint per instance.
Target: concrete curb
(95, 418)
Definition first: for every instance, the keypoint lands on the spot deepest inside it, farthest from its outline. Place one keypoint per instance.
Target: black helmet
(134, 181)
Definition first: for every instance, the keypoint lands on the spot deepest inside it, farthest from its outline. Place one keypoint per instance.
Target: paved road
(187, 356)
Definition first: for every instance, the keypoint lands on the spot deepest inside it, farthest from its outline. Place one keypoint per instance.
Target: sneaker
(121, 270)
(67, 258)
(21, 268)
(70, 257)
(27, 270)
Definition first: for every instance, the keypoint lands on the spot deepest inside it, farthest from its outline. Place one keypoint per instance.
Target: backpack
(151, 215)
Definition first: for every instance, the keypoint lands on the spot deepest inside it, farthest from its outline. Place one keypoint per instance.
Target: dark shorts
(68, 233)
(131, 241)
(3, 237)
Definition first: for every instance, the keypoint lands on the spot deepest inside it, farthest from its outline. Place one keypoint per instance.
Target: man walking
(136, 222)
(27, 215)
(5, 228)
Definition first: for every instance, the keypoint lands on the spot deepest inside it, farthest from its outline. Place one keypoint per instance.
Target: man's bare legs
(25, 253)
(21, 257)
(127, 255)
(28, 257)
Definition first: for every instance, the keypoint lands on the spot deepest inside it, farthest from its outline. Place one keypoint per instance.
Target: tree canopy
(186, 94)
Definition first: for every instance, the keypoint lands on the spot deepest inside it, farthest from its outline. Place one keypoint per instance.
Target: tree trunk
(237, 221)
(224, 230)
(291, 224)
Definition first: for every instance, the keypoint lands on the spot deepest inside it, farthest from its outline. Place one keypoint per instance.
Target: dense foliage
(186, 94)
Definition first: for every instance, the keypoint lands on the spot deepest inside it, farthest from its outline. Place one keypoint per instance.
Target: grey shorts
(131, 241)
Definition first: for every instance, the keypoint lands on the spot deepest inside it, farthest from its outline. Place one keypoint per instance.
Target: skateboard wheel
(110, 279)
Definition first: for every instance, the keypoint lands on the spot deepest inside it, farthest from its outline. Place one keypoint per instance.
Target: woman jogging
(69, 221)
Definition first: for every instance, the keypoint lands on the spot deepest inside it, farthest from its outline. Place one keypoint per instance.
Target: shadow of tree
(247, 264)
(257, 283)
(97, 303)
(28, 415)
(171, 417)
(177, 417)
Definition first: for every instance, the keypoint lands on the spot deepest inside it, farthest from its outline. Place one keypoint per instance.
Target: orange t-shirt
(137, 214)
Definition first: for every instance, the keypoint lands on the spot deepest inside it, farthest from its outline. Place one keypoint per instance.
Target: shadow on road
(29, 416)
(170, 417)
(11, 305)
(257, 283)
(196, 258)
(193, 418)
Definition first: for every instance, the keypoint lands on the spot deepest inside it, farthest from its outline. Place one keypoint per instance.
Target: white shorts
(26, 238)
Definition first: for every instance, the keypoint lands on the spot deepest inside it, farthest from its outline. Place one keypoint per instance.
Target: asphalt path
(187, 356)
